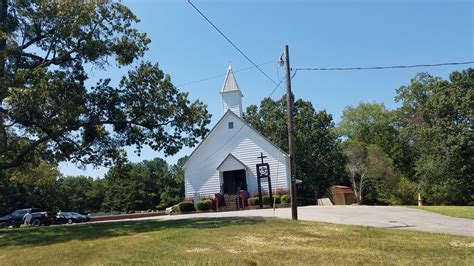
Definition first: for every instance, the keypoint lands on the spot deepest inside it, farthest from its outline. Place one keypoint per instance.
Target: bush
(405, 194)
(266, 200)
(285, 199)
(186, 206)
(277, 199)
(204, 205)
(253, 201)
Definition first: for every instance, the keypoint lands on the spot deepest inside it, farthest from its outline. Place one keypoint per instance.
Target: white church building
(225, 161)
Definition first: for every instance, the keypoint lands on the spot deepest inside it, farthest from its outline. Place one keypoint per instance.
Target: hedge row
(186, 207)
(204, 205)
(266, 200)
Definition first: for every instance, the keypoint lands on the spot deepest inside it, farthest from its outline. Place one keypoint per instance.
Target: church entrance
(234, 181)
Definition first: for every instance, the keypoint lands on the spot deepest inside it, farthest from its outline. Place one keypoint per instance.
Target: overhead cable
(229, 41)
(381, 67)
(222, 75)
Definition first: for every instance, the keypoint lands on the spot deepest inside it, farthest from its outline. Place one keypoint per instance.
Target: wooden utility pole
(291, 142)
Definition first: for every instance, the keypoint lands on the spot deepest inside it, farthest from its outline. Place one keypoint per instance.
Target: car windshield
(19, 213)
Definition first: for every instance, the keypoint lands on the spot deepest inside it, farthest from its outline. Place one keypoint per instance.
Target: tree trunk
(361, 187)
(355, 188)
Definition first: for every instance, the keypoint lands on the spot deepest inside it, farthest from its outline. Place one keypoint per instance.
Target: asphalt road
(374, 216)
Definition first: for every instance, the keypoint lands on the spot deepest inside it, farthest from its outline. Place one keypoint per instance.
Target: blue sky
(319, 33)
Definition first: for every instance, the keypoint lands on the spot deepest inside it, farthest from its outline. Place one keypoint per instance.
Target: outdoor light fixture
(280, 61)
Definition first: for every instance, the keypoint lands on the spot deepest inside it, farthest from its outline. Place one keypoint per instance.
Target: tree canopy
(370, 170)
(46, 111)
(370, 123)
(429, 139)
(319, 159)
(142, 186)
(149, 185)
(436, 122)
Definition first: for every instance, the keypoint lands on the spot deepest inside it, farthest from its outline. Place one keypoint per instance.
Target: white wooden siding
(201, 174)
(232, 101)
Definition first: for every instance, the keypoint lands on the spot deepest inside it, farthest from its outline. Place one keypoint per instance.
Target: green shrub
(277, 199)
(285, 199)
(266, 200)
(405, 193)
(253, 201)
(186, 206)
(204, 205)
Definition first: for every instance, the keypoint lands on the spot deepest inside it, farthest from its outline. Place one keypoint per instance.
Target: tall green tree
(436, 120)
(82, 193)
(126, 189)
(30, 187)
(319, 159)
(371, 123)
(46, 111)
(371, 171)
(173, 191)
(146, 185)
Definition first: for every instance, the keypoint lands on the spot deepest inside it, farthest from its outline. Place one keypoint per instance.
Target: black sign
(263, 172)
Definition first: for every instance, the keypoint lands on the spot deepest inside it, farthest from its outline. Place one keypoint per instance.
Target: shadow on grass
(57, 234)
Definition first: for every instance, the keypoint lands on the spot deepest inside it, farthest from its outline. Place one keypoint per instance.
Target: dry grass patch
(197, 250)
(234, 241)
(461, 244)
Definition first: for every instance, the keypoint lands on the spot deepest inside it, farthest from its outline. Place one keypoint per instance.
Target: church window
(231, 125)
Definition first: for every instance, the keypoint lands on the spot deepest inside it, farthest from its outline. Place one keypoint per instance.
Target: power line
(329, 69)
(382, 67)
(222, 75)
(279, 83)
(228, 40)
(276, 87)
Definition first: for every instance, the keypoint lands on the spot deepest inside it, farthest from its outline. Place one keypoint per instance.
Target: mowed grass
(251, 241)
(454, 211)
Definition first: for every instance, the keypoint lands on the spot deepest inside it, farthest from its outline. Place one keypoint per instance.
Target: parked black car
(38, 218)
(71, 217)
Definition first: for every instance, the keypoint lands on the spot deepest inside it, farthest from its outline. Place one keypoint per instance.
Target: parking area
(374, 216)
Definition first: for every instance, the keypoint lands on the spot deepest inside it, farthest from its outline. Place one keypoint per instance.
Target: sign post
(263, 171)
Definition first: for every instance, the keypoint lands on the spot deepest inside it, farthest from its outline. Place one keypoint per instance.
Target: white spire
(230, 84)
(231, 94)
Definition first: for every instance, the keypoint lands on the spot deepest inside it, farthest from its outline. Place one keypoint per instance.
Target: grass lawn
(454, 211)
(229, 241)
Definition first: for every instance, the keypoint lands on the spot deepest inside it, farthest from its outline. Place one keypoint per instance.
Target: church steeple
(231, 94)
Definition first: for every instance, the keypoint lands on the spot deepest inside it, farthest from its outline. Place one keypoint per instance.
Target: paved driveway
(376, 216)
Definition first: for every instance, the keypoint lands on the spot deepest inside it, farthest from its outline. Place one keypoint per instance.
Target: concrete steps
(230, 202)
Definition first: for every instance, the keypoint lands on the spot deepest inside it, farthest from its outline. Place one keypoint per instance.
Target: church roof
(229, 112)
(231, 163)
(230, 84)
